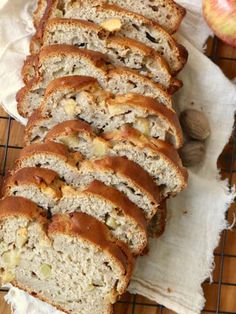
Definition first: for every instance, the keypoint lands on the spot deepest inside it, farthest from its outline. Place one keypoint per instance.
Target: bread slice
(131, 25)
(137, 27)
(121, 51)
(104, 111)
(57, 61)
(39, 256)
(125, 220)
(110, 206)
(40, 185)
(54, 156)
(72, 134)
(67, 61)
(157, 157)
(44, 187)
(127, 177)
(167, 13)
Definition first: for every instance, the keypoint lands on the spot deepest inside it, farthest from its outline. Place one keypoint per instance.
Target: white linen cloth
(180, 260)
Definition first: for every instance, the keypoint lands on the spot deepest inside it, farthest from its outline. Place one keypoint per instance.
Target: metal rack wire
(130, 303)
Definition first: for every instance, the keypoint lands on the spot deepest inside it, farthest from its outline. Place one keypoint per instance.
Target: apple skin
(221, 18)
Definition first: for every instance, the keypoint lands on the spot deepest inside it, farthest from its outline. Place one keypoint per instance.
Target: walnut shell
(192, 153)
(195, 124)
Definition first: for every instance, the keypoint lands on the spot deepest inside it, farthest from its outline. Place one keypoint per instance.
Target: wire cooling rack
(221, 293)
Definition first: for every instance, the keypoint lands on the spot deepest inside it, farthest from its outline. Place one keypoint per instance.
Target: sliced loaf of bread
(127, 23)
(39, 256)
(125, 220)
(167, 13)
(54, 156)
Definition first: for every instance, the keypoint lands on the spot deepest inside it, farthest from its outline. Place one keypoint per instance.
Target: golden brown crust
(118, 199)
(133, 171)
(49, 147)
(79, 224)
(50, 7)
(17, 284)
(57, 150)
(98, 58)
(68, 128)
(182, 12)
(158, 147)
(21, 94)
(76, 82)
(39, 11)
(54, 21)
(157, 224)
(30, 175)
(22, 207)
(33, 119)
(28, 71)
(154, 108)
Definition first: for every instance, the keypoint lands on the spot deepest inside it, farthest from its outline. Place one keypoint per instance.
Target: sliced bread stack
(101, 149)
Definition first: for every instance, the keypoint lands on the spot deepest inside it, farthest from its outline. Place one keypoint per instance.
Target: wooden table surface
(221, 294)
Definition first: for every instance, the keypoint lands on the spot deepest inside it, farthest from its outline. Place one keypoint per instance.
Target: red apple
(221, 18)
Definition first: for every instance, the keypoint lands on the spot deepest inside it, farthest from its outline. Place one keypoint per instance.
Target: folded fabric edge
(156, 294)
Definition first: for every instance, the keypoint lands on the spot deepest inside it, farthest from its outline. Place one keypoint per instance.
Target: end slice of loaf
(97, 266)
(54, 156)
(157, 157)
(127, 177)
(40, 185)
